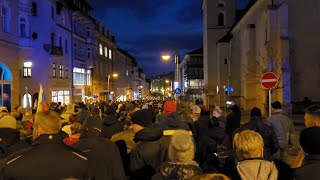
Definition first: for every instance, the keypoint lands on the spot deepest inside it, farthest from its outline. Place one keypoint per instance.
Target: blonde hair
(217, 109)
(247, 143)
(49, 121)
(181, 148)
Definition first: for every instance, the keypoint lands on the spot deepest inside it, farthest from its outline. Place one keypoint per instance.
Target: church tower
(218, 17)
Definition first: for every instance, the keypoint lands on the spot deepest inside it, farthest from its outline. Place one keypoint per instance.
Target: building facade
(267, 36)
(192, 75)
(56, 44)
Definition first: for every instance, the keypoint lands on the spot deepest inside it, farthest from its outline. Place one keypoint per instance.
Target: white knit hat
(181, 148)
(8, 122)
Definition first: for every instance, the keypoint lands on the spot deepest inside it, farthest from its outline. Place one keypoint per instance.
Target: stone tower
(218, 17)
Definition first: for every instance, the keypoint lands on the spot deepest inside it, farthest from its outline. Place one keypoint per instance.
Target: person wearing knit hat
(169, 107)
(181, 154)
(140, 119)
(8, 121)
(92, 122)
(309, 141)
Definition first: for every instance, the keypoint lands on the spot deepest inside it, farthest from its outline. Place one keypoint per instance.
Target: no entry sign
(269, 80)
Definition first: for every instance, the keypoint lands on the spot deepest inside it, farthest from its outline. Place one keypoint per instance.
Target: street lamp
(109, 77)
(167, 57)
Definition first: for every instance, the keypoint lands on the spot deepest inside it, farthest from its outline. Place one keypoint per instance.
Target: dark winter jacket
(310, 169)
(233, 120)
(271, 144)
(10, 142)
(150, 151)
(103, 156)
(111, 126)
(178, 171)
(48, 159)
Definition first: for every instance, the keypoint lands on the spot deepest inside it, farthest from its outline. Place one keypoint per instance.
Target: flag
(42, 104)
(28, 107)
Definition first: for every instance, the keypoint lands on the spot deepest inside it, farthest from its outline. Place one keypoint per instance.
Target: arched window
(221, 19)
(23, 27)
(26, 99)
(5, 18)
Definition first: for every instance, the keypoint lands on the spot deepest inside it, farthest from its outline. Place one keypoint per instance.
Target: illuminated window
(110, 54)
(105, 52)
(54, 70)
(26, 99)
(61, 72)
(88, 77)
(100, 49)
(127, 72)
(61, 96)
(27, 69)
(79, 76)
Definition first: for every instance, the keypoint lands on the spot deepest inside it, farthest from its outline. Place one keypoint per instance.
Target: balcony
(53, 50)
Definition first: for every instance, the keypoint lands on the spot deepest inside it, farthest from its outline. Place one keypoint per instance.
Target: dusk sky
(147, 28)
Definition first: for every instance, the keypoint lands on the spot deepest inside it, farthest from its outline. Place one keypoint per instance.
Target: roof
(197, 51)
(128, 55)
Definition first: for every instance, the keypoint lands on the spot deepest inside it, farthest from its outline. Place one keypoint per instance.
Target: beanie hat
(92, 122)
(309, 140)
(142, 117)
(22, 110)
(3, 109)
(255, 112)
(181, 148)
(169, 107)
(276, 105)
(111, 110)
(8, 121)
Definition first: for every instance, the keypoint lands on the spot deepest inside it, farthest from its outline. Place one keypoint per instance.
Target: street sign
(269, 80)
(229, 89)
(177, 91)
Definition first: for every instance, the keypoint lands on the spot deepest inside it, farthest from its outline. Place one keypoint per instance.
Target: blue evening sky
(147, 28)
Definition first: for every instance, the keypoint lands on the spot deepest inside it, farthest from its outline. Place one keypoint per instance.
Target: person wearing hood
(111, 125)
(9, 135)
(256, 123)
(151, 151)
(248, 146)
(104, 160)
(82, 113)
(180, 164)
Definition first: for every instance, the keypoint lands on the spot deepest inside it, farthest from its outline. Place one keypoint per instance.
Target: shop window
(61, 96)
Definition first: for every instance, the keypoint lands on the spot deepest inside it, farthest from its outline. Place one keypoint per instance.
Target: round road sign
(269, 80)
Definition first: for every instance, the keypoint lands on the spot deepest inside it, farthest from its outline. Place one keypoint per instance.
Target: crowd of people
(154, 140)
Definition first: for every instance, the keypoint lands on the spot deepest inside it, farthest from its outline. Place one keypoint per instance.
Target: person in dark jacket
(150, 151)
(111, 125)
(309, 141)
(82, 113)
(104, 159)
(9, 136)
(48, 158)
(256, 123)
(233, 120)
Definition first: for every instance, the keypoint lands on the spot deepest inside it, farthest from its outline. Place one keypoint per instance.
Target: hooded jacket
(152, 145)
(257, 169)
(111, 125)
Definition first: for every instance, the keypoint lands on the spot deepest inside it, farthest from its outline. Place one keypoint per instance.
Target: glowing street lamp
(167, 57)
(109, 77)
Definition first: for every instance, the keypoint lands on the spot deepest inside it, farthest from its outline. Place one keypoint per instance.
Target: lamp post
(109, 77)
(167, 57)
